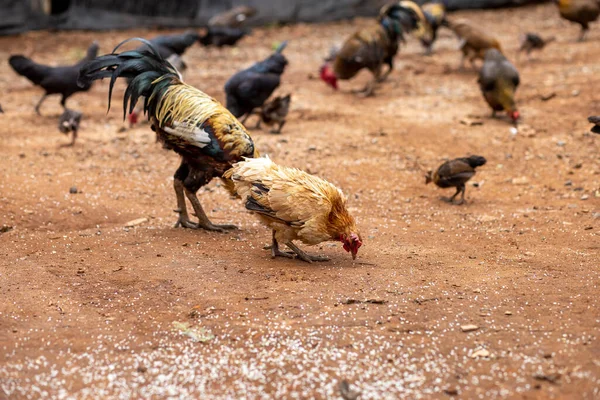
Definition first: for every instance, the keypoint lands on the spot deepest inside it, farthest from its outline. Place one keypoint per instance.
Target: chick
(532, 41)
(69, 122)
(596, 121)
(498, 80)
(474, 42)
(275, 112)
(455, 173)
(581, 12)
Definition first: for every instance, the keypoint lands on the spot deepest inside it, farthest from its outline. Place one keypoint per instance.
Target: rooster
(498, 80)
(296, 206)
(188, 121)
(596, 121)
(581, 12)
(250, 88)
(455, 173)
(474, 42)
(370, 48)
(54, 80)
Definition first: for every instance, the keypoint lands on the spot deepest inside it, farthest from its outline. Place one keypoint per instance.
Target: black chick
(275, 112)
(532, 41)
(455, 173)
(168, 45)
(596, 121)
(54, 80)
(250, 88)
(69, 122)
(220, 36)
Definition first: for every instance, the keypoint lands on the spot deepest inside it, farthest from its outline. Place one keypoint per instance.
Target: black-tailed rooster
(188, 121)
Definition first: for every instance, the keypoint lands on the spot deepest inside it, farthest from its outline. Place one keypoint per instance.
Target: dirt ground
(94, 309)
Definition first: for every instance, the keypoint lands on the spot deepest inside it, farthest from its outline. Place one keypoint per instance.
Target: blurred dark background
(22, 15)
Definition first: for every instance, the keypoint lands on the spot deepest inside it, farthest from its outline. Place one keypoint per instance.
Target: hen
(370, 48)
(188, 121)
(250, 88)
(275, 111)
(69, 122)
(474, 42)
(54, 80)
(455, 173)
(296, 206)
(498, 80)
(581, 12)
(168, 45)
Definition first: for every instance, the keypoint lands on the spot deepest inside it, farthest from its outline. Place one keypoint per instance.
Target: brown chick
(275, 111)
(498, 80)
(596, 121)
(455, 173)
(532, 41)
(69, 122)
(474, 42)
(296, 206)
(581, 12)
(233, 18)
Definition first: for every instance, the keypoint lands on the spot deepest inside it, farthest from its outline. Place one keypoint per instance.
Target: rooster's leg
(39, 104)
(203, 221)
(303, 256)
(275, 252)
(184, 219)
(584, 30)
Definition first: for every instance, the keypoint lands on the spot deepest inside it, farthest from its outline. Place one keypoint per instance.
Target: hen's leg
(462, 197)
(584, 30)
(39, 104)
(304, 256)
(275, 252)
(451, 199)
(390, 64)
(246, 116)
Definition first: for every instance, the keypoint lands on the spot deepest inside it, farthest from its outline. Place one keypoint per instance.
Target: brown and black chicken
(275, 111)
(581, 12)
(371, 48)
(533, 41)
(455, 173)
(188, 121)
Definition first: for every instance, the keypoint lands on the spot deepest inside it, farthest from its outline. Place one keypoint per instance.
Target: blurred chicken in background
(473, 41)
(233, 18)
(455, 173)
(371, 48)
(275, 112)
(533, 41)
(581, 12)
(498, 80)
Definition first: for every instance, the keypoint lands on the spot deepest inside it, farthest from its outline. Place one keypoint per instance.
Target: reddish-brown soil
(88, 306)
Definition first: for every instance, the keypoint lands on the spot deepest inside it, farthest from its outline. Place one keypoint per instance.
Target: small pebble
(469, 328)
(585, 197)
(73, 190)
(507, 312)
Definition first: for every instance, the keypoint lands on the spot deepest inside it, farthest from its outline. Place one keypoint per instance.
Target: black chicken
(532, 41)
(250, 88)
(455, 173)
(54, 80)
(220, 36)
